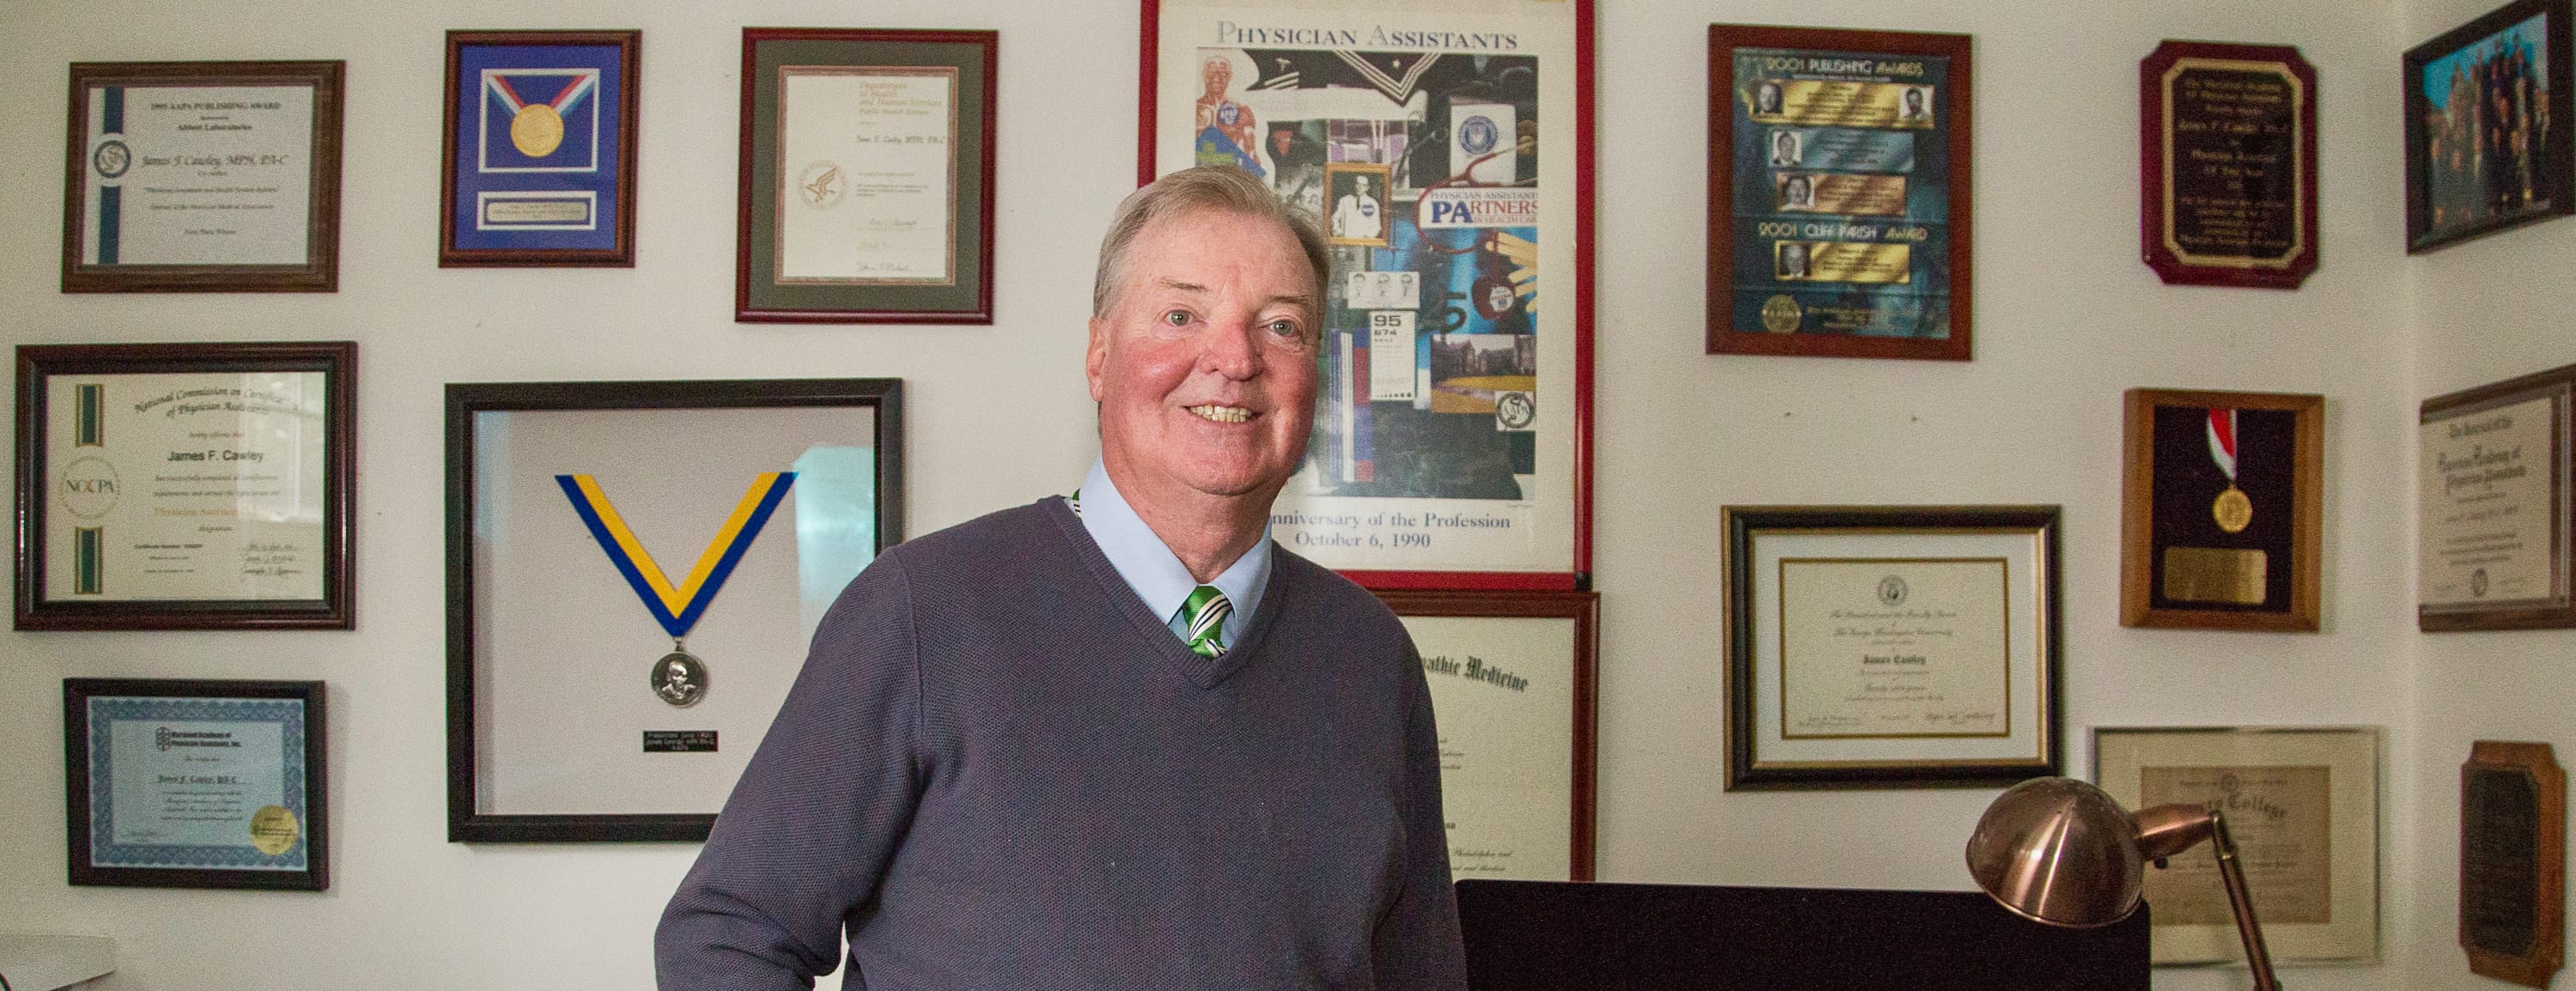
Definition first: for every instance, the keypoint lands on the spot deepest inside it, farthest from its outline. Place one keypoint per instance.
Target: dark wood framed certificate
(202, 177)
(540, 148)
(186, 486)
(2513, 861)
(1512, 685)
(598, 688)
(867, 176)
(2487, 106)
(196, 784)
(2227, 157)
(1890, 646)
(2492, 506)
(2221, 510)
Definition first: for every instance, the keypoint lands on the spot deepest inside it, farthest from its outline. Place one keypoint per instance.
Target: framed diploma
(1511, 675)
(2492, 506)
(185, 486)
(196, 784)
(202, 177)
(867, 176)
(2484, 151)
(2221, 508)
(1890, 646)
(2228, 156)
(597, 687)
(1452, 172)
(540, 148)
(2513, 862)
(2303, 804)
(1838, 193)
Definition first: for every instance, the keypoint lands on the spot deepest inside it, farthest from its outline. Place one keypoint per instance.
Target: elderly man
(1117, 740)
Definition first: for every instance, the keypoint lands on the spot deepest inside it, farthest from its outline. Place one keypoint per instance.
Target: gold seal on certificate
(679, 678)
(273, 830)
(2233, 511)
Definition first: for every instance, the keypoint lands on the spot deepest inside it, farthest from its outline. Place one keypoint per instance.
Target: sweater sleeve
(1417, 943)
(817, 813)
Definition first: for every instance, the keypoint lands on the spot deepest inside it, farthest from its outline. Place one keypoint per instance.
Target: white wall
(2066, 318)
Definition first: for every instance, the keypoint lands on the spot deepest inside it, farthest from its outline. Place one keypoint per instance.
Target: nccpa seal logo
(1514, 410)
(112, 159)
(89, 487)
(1781, 315)
(1891, 590)
(1478, 134)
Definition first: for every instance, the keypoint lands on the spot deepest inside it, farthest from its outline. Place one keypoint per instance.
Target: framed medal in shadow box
(634, 570)
(2221, 509)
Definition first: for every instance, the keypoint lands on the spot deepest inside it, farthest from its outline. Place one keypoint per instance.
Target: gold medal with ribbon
(678, 678)
(2233, 511)
(537, 127)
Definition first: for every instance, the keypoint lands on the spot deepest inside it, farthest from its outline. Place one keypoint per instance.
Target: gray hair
(1218, 188)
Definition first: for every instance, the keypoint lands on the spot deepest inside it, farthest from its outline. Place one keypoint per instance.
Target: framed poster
(1890, 646)
(2492, 506)
(540, 154)
(2513, 862)
(1838, 193)
(2221, 509)
(1512, 686)
(867, 176)
(2484, 149)
(2227, 151)
(186, 486)
(2303, 806)
(1452, 171)
(196, 784)
(202, 177)
(596, 690)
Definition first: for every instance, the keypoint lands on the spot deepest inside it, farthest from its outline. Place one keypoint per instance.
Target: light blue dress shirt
(1155, 572)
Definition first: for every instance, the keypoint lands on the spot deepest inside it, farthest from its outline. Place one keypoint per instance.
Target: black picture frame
(334, 609)
(468, 820)
(2447, 198)
(305, 749)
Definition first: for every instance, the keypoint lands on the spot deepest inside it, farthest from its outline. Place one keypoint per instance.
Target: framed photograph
(597, 687)
(186, 486)
(2492, 506)
(867, 176)
(2227, 153)
(196, 784)
(540, 154)
(2221, 508)
(1512, 684)
(1838, 193)
(2484, 149)
(2513, 862)
(2303, 806)
(1452, 172)
(1890, 646)
(202, 177)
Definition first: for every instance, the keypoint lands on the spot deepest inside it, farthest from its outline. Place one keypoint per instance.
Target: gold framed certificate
(2492, 509)
(2303, 805)
(185, 486)
(1893, 646)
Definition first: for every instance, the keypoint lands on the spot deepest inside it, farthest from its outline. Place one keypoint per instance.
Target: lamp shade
(2059, 851)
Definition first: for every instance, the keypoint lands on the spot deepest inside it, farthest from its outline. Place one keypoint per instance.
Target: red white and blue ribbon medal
(537, 128)
(678, 678)
(2233, 511)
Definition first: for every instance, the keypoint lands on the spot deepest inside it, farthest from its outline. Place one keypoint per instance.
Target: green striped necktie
(1204, 614)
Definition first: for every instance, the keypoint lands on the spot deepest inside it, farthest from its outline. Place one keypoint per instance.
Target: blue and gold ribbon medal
(678, 677)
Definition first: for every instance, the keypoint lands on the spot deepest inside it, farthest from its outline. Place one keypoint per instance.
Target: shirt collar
(1150, 567)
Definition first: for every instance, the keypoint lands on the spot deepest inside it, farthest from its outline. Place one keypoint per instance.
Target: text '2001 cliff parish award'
(2228, 154)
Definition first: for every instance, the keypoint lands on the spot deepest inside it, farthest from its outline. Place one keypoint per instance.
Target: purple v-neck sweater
(1000, 772)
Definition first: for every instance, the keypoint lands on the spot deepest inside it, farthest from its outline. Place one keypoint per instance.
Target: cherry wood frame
(630, 45)
(2541, 842)
(2155, 186)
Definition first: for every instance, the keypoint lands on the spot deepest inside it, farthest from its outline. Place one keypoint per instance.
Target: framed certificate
(1512, 687)
(196, 784)
(185, 486)
(2484, 149)
(202, 177)
(540, 148)
(867, 176)
(1452, 172)
(2221, 509)
(2303, 805)
(597, 687)
(2228, 155)
(2513, 862)
(1838, 193)
(1890, 646)
(2492, 506)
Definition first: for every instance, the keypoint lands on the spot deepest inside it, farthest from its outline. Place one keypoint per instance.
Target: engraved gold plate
(2215, 574)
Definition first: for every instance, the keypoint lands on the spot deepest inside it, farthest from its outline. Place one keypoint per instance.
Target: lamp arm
(2241, 901)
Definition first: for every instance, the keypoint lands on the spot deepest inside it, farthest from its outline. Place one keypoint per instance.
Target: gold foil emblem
(2215, 574)
(2233, 511)
(273, 830)
(537, 131)
(1780, 315)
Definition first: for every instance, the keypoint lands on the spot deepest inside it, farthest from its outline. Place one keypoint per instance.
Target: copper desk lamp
(2059, 851)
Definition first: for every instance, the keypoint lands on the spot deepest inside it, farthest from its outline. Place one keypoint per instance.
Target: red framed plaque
(2227, 159)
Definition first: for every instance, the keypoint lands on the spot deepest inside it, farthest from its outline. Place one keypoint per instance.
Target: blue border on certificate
(538, 146)
(106, 711)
